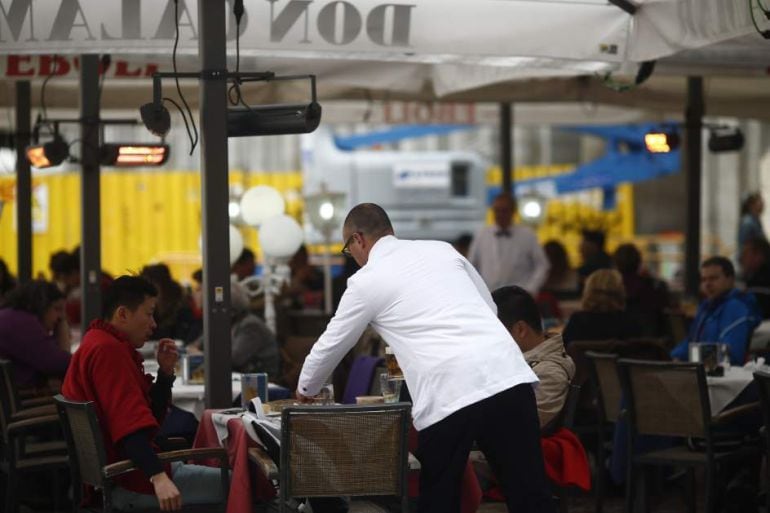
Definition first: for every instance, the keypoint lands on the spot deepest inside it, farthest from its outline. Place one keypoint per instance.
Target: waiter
(467, 376)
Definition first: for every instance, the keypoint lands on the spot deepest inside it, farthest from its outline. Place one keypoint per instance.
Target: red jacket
(107, 370)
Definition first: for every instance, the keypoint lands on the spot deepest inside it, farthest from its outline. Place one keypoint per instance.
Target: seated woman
(602, 315)
(34, 333)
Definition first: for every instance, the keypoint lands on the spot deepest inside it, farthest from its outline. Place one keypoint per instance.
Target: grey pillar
(214, 190)
(90, 243)
(506, 147)
(23, 183)
(693, 146)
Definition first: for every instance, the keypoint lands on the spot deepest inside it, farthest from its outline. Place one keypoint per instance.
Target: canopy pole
(693, 146)
(90, 242)
(215, 197)
(506, 147)
(23, 183)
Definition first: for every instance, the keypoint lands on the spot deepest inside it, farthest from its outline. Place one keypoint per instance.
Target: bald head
(369, 219)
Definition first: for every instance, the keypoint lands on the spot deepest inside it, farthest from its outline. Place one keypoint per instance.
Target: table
(190, 397)
(245, 485)
(723, 390)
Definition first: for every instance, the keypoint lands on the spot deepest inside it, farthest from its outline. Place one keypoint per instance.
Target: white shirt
(429, 304)
(515, 260)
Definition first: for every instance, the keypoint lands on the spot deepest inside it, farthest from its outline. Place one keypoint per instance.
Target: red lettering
(121, 70)
(390, 116)
(150, 70)
(53, 65)
(471, 112)
(14, 66)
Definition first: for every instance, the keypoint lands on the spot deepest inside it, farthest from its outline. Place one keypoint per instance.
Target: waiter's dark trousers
(507, 431)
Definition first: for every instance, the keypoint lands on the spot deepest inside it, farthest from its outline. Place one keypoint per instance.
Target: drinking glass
(394, 370)
(391, 388)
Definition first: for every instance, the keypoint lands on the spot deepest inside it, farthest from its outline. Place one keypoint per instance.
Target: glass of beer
(394, 371)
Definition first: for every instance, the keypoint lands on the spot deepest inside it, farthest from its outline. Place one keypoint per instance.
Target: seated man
(519, 314)
(726, 315)
(755, 262)
(107, 369)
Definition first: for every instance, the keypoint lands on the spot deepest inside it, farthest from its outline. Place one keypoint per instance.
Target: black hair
(748, 201)
(594, 236)
(369, 219)
(627, 259)
(34, 297)
(515, 304)
(63, 263)
(759, 244)
(719, 261)
(247, 255)
(128, 291)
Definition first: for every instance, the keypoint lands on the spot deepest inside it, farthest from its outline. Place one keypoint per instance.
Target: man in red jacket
(107, 369)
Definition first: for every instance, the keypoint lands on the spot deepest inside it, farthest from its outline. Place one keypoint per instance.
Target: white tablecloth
(192, 397)
(723, 390)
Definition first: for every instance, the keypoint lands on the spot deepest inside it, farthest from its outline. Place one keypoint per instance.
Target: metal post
(692, 163)
(215, 195)
(90, 243)
(506, 147)
(327, 272)
(23, 183)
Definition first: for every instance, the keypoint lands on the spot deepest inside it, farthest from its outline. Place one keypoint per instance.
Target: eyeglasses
(345, 248)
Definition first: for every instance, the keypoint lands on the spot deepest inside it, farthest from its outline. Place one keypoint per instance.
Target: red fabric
(237, 445)
(565, 460)
(470, 492)
(107, 370)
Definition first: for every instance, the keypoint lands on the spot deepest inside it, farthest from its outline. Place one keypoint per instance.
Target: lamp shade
(280, 236)
(326, 210)
(236, 244)
(260, 203)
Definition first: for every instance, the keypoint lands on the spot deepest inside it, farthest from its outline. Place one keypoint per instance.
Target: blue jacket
(728, 319)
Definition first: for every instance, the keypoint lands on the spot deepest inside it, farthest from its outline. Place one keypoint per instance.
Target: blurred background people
(750, 224)
(65, 271)
(726, 314)
(562, 279)
(245, 266)
(174, 313)
(594, 255)
(463, 244)
(646, 297)
(306, 288)
(506, 253)
(254, 346)
(7, 281)
(34, 333)
(755, 264)
(602, 315)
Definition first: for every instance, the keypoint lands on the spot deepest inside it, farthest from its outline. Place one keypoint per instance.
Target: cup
(253, 385)
(326, 395)
(394, 370)
(391, 388)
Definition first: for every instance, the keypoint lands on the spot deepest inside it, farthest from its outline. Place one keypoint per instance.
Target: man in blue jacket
(726, 315)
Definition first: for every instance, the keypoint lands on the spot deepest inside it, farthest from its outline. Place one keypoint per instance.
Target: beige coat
(555, 369)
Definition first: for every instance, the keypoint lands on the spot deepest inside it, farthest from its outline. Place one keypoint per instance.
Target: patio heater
(325, 209)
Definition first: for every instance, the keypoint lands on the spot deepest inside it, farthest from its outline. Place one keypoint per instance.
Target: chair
(19, 454)
(603, 374)
(344, 451)
(29, 407)
(763, 383)
(88, 459)
(671, 399)
(362, 373)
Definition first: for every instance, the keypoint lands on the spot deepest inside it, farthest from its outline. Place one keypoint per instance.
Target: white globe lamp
(260, 203)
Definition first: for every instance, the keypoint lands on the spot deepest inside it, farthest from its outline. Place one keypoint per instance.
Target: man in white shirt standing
(467, 377)
(508, 254)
